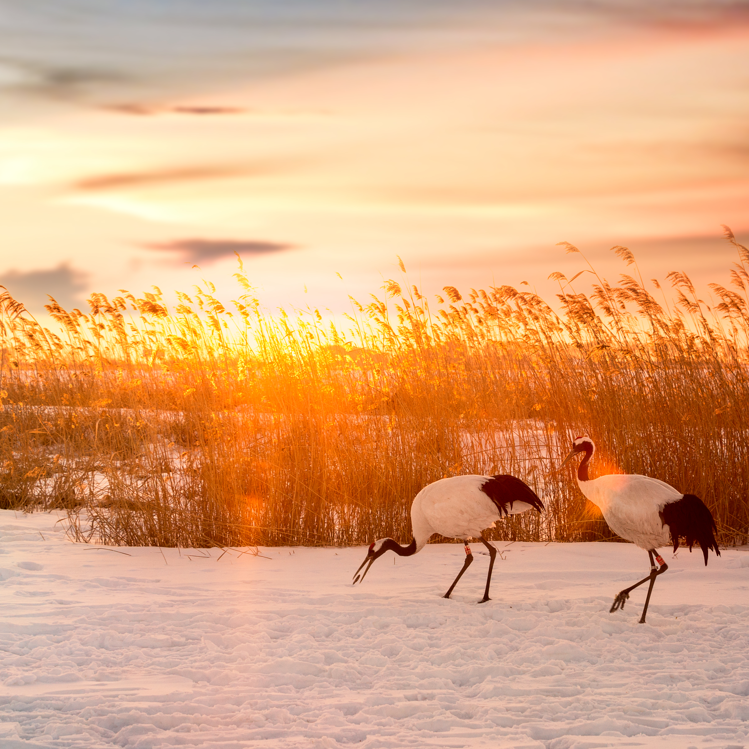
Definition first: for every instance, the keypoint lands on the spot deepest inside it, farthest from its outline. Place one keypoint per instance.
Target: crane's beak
(567, 460)
(368, 559)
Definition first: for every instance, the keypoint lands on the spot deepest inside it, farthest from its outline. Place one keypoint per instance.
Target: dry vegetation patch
(212, 424)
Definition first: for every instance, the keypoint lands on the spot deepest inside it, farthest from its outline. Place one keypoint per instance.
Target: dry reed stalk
(218, 425)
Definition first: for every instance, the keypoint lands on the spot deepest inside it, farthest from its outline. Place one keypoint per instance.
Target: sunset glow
(468, 147)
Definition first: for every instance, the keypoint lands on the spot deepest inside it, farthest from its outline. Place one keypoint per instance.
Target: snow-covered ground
(160, 648)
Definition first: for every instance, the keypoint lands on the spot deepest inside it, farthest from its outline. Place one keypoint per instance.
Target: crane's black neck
(403, 551)
(582, 469)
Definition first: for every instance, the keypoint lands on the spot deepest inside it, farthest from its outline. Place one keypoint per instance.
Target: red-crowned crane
(646, 511)
(459, 507)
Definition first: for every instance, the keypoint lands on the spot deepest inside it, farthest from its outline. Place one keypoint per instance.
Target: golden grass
(216, 424)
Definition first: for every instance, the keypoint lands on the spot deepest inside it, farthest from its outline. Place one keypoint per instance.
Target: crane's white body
(647, 511)
(631, 505)
(458, 507)
(443, 507)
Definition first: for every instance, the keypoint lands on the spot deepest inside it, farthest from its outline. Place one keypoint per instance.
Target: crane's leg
(466, 564)
(492, 554)
(622, 597)
(653, 574)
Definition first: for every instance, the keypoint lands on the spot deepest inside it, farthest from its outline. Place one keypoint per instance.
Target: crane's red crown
(583, 440)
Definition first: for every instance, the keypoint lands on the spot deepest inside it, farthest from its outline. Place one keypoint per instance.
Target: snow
(148, 648)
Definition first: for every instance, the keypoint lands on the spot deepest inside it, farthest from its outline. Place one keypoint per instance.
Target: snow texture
(169, 648)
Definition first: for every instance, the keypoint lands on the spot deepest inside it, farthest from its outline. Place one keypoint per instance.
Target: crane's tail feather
(689, 517)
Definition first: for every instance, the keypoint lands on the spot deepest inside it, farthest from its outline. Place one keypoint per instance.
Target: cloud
(134, 108)
(62, 82)
(207, 110)
(67, 79)
(149, 110)
(32, 288)
(190, 46)
(200, 250)
(163, 176)
(166, 175)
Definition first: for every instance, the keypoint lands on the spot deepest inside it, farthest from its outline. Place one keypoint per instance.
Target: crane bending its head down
(647, 511)
(458, 507)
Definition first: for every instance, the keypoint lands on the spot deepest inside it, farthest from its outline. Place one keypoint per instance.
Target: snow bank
(160, 648)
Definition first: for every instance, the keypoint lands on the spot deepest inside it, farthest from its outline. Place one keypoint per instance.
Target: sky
(322, 139)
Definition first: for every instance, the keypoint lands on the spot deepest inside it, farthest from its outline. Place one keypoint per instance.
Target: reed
(215, 424)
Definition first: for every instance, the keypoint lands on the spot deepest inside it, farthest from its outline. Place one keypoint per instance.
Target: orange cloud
(201, 250)
(135, 179)
(144, 110)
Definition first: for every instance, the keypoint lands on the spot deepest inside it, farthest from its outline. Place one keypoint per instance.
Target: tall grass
(211, 423)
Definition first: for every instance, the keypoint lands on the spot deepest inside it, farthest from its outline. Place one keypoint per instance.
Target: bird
(647, 511)
(458, 507)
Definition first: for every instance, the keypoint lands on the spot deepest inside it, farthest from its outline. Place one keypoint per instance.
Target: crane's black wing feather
(504, 490)
(690, 517)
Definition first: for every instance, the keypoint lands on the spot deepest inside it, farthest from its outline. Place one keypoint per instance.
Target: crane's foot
(447, 595)
(485, 599)
(619, 601)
